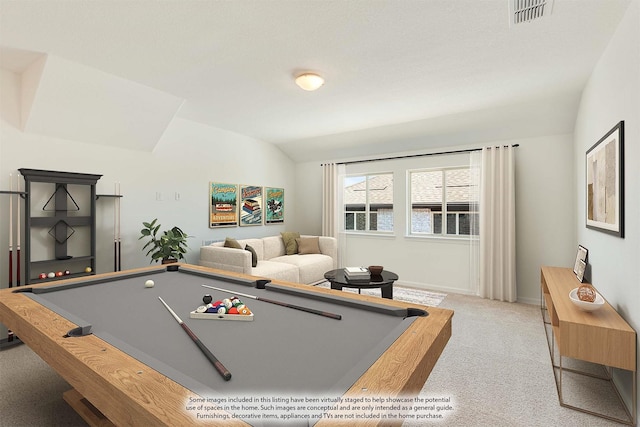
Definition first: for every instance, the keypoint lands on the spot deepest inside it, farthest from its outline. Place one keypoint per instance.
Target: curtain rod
(469, 150)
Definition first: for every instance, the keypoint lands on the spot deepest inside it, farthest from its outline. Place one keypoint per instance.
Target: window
(443, 202)
(368, 202)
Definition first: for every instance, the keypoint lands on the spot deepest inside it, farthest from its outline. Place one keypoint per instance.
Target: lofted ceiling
(400, 74)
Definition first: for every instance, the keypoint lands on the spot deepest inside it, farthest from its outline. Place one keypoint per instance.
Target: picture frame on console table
(605, 183)
(274, 205)
(582, 266)
(581, 262)
(223, 205)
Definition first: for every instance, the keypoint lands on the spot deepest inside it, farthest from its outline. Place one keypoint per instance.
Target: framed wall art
(223, 205)
(251, 205)
(605, 183)
(274, 205)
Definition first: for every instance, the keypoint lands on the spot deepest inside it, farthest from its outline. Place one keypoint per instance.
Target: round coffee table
(383, 281)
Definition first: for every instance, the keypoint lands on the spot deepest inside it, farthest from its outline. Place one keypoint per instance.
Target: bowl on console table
(586, 305)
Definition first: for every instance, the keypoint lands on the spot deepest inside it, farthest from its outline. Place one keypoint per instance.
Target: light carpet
(400, 293)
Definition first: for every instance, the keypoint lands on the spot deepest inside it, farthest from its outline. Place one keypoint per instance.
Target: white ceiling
(443, 67)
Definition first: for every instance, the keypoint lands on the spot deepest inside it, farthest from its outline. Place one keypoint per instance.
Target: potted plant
(169, 246)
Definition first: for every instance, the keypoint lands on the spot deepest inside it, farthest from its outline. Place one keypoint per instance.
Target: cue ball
(149, 284)
(51, 275)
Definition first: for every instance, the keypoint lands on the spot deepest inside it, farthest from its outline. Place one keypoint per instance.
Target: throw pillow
(232, 243)
(254, 255)
(290, 244)
(308, 245)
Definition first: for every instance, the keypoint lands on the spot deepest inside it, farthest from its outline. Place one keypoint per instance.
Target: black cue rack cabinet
(60, 233)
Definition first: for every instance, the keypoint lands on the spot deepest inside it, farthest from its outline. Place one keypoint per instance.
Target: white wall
(545, 211)
(545, 215)
(613, 94)
(188, 156)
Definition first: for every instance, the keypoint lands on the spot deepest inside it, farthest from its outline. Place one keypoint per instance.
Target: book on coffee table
(356, 273)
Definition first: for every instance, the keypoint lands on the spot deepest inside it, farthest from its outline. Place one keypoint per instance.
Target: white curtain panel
(332, 201)
(475, 166)
(329, 179)
(497, 225)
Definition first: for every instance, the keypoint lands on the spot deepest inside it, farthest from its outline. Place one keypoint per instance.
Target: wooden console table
(602, 337)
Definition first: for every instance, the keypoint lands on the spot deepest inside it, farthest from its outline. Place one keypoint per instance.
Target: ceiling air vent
(528, 10)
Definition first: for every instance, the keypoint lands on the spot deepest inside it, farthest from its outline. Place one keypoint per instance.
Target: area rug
(416, 296)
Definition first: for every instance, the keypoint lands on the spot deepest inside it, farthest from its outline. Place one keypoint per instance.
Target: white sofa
(272, 261)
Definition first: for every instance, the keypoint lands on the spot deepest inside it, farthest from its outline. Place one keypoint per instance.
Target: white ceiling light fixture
(309, 81)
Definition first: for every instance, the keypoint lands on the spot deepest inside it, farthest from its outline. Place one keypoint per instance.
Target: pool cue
(10, 231)
(119, 235)
(18, 238)
(216, 363)
(115, 240)
(283, 304)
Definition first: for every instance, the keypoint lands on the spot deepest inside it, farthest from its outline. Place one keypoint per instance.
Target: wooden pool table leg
(85, 409)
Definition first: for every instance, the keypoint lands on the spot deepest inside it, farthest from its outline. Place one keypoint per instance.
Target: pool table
(130, 363)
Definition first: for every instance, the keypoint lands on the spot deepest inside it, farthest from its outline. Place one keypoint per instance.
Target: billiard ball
(42, 276)
(207, 299)
(67, 272)
(58, 273)
(88, 270)
(149, 284)
(51, 275)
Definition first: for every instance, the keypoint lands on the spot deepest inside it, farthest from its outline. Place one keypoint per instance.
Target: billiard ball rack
(217, 316)
(227, 309)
